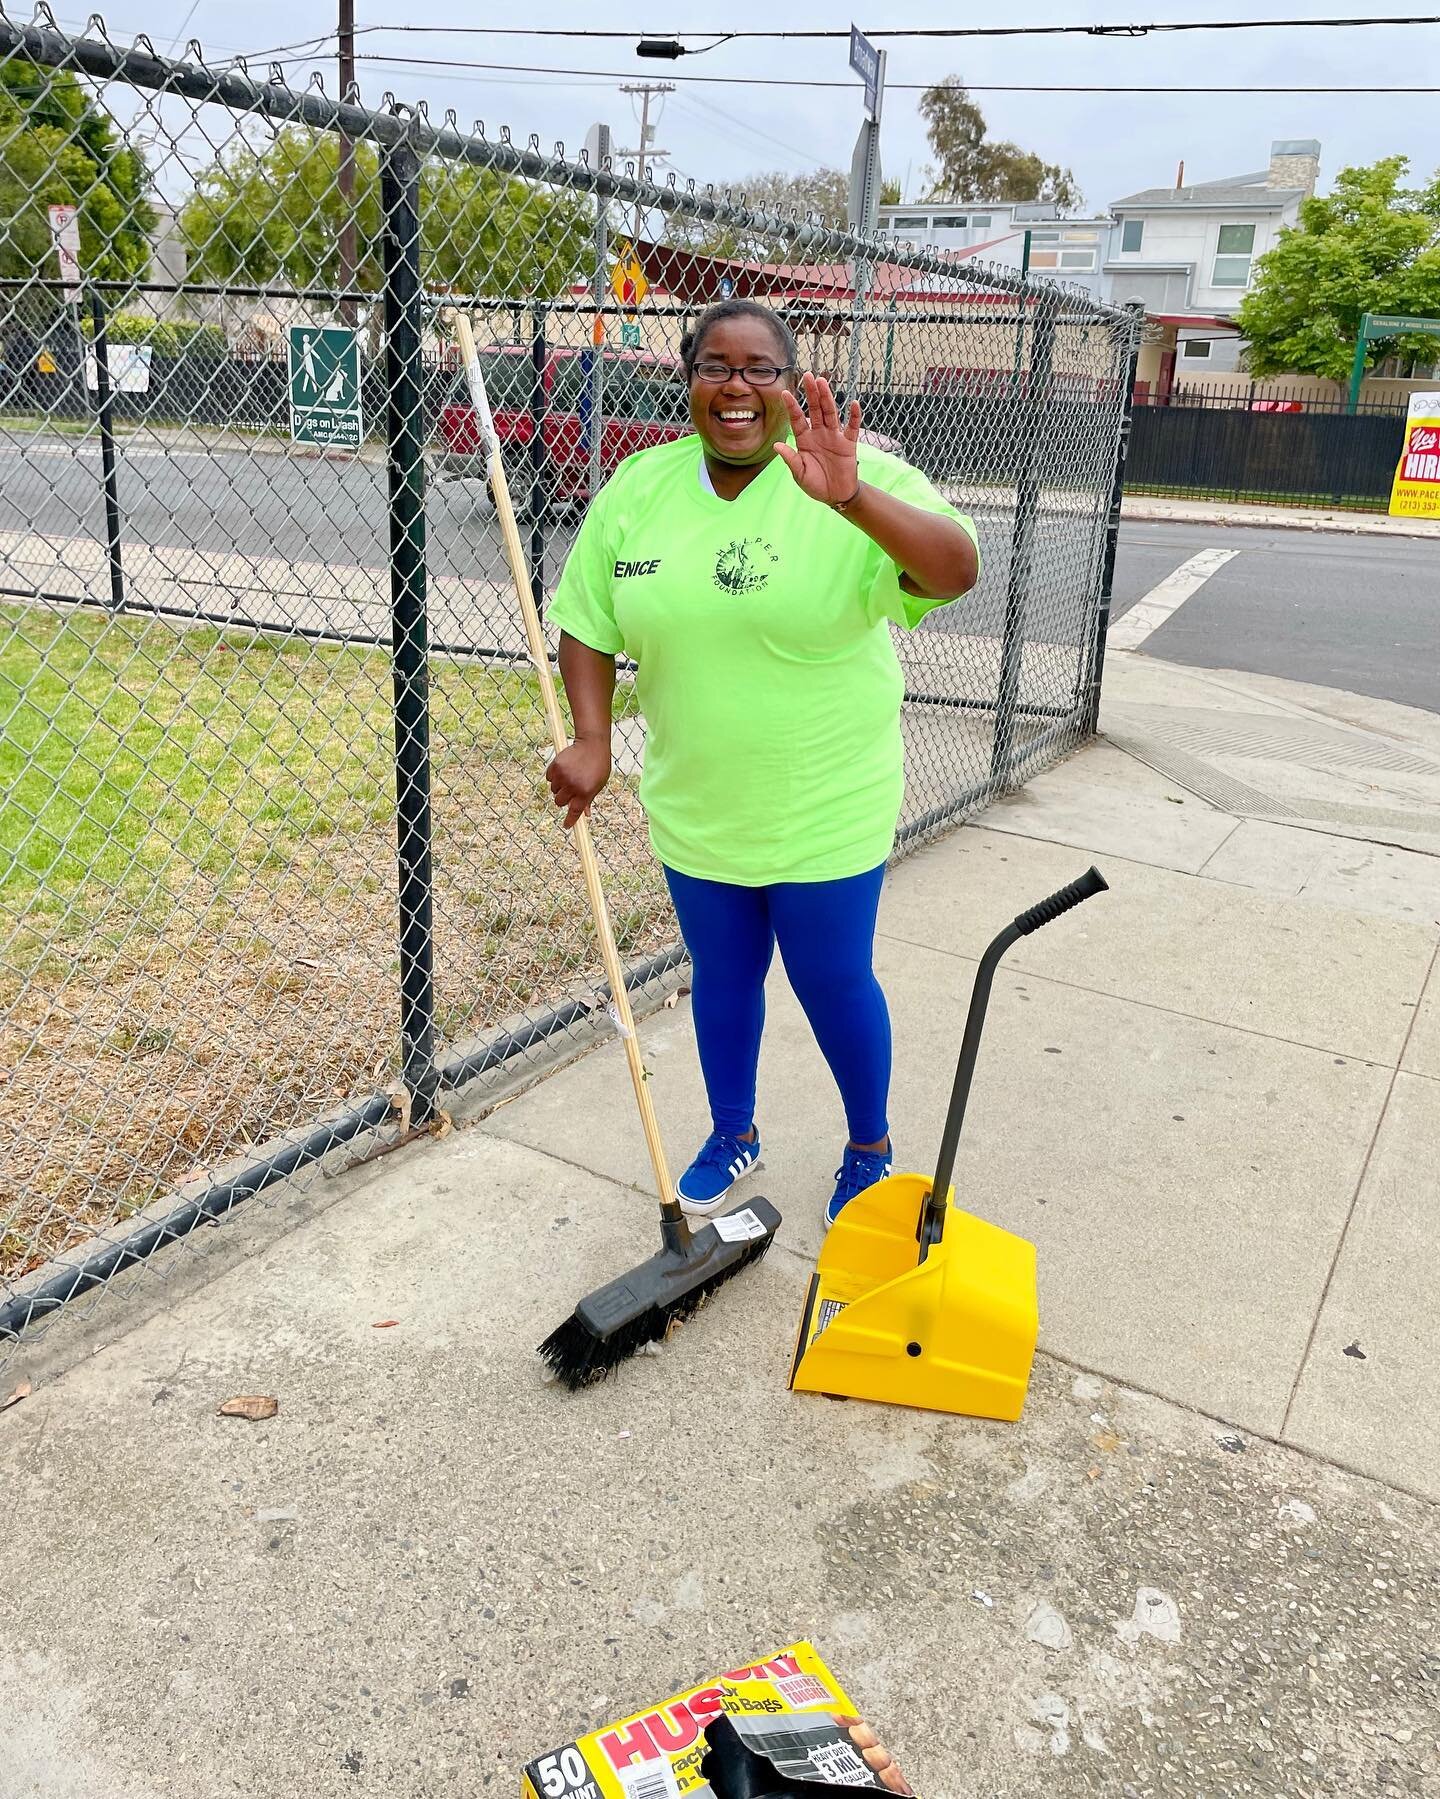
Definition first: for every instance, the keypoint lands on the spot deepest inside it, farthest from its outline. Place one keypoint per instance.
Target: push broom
(644, 1305)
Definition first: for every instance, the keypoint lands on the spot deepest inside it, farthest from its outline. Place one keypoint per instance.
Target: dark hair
(736, 309)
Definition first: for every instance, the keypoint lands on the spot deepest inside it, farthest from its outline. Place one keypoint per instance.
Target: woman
(749, 571)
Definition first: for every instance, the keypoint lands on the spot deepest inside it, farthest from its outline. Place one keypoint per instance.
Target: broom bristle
(579, 1355)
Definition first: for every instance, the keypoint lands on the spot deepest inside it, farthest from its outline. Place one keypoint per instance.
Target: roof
(1211, 196)
(692, 275)
(1195, 318)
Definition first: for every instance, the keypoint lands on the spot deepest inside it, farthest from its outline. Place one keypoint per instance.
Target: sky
(1115, 143)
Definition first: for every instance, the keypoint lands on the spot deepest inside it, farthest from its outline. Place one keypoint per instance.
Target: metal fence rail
(279, 874)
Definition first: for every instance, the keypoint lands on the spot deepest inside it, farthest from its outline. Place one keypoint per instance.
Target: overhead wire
(891, 87)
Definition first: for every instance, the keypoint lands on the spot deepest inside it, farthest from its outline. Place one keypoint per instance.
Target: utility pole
(645, 154)
(346, 171)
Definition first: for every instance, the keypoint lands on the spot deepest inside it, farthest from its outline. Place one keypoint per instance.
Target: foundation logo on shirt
(744, 565)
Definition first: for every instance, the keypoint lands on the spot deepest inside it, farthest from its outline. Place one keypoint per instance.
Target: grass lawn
(198, 895)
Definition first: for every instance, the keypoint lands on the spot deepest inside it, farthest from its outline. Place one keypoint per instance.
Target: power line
(936, 31)
(920, 32)
(919, 87)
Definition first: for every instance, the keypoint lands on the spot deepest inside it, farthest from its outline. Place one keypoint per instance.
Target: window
(981, 220)
(1044, 259)
(1044, 237)
(913, 221)
(951, 221)
(1077, 259)
(1195, 349)
(1232, 256)
(1132, 234)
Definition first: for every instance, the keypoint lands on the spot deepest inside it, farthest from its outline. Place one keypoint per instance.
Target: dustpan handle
(1041, 913)
(1046, 910)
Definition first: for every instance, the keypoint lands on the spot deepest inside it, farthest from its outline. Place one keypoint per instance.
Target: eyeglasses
(757, 374)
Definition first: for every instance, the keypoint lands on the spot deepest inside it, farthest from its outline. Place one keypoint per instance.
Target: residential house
(1071, 250)
(1188, 254)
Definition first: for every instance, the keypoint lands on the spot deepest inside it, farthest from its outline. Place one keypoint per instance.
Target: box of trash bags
(779, 1727)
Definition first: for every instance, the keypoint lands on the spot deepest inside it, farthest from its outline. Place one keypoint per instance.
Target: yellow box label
(656, 1753)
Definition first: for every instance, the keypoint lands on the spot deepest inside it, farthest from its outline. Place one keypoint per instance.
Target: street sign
(1415, 492)
(629, 334)
(864, 193)
(128, 365)
(325, 387)
(865, 61)
(1384, 324)
(65, 232)
(627, 278)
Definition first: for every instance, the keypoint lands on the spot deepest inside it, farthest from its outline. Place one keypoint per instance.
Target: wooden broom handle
(540, 657)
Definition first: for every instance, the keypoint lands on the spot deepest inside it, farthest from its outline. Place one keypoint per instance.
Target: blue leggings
(826, 933)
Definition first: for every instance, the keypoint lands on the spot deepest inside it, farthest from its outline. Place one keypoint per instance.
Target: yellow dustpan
(914, 1302)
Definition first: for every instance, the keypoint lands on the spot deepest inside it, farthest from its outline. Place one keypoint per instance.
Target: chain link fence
(280, 874)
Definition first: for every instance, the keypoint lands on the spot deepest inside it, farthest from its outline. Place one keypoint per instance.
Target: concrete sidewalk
(1212, 1097)
(1156, 508)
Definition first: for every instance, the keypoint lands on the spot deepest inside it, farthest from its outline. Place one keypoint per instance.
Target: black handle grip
(1043, 911)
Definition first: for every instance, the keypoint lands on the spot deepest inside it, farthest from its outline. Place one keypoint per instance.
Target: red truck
(644, 402)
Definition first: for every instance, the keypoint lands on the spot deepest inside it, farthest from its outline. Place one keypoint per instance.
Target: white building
(1069, 250)
(1188, 253)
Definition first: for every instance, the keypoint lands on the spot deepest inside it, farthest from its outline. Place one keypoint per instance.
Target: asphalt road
(313, 510)
(1358, 613)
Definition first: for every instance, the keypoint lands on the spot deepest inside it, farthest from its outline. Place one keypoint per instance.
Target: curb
(1332, 522)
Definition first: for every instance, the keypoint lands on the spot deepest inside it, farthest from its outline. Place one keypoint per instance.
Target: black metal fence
(1295, 459)
(1275, 396)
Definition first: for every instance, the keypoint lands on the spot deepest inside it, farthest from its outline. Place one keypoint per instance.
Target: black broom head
(611, 1324)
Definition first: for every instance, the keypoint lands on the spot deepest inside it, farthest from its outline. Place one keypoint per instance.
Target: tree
(272, 216)
(1369, 246)
(970, 166)
(822, 194)
(58, 147)
(890, 192)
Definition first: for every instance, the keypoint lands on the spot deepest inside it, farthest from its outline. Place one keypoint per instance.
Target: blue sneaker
(724, 1160)
(859, 1169)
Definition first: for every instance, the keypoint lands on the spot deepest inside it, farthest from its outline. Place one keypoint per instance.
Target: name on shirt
(624, 569)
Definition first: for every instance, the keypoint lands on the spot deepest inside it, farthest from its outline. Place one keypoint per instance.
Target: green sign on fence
(630, 334)
(325, 387)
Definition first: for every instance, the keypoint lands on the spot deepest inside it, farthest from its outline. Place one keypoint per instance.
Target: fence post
(539, 498)
(105, 406)
(597, 367)
(1022, 537)
(1112, 523)
(400, 203)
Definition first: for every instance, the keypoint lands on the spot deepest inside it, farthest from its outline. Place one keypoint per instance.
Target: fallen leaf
(385, 1324)
(22, 1390)
(1106, 1439)
(255, 1406)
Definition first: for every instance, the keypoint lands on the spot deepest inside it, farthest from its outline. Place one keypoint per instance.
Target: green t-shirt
(769, 683)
